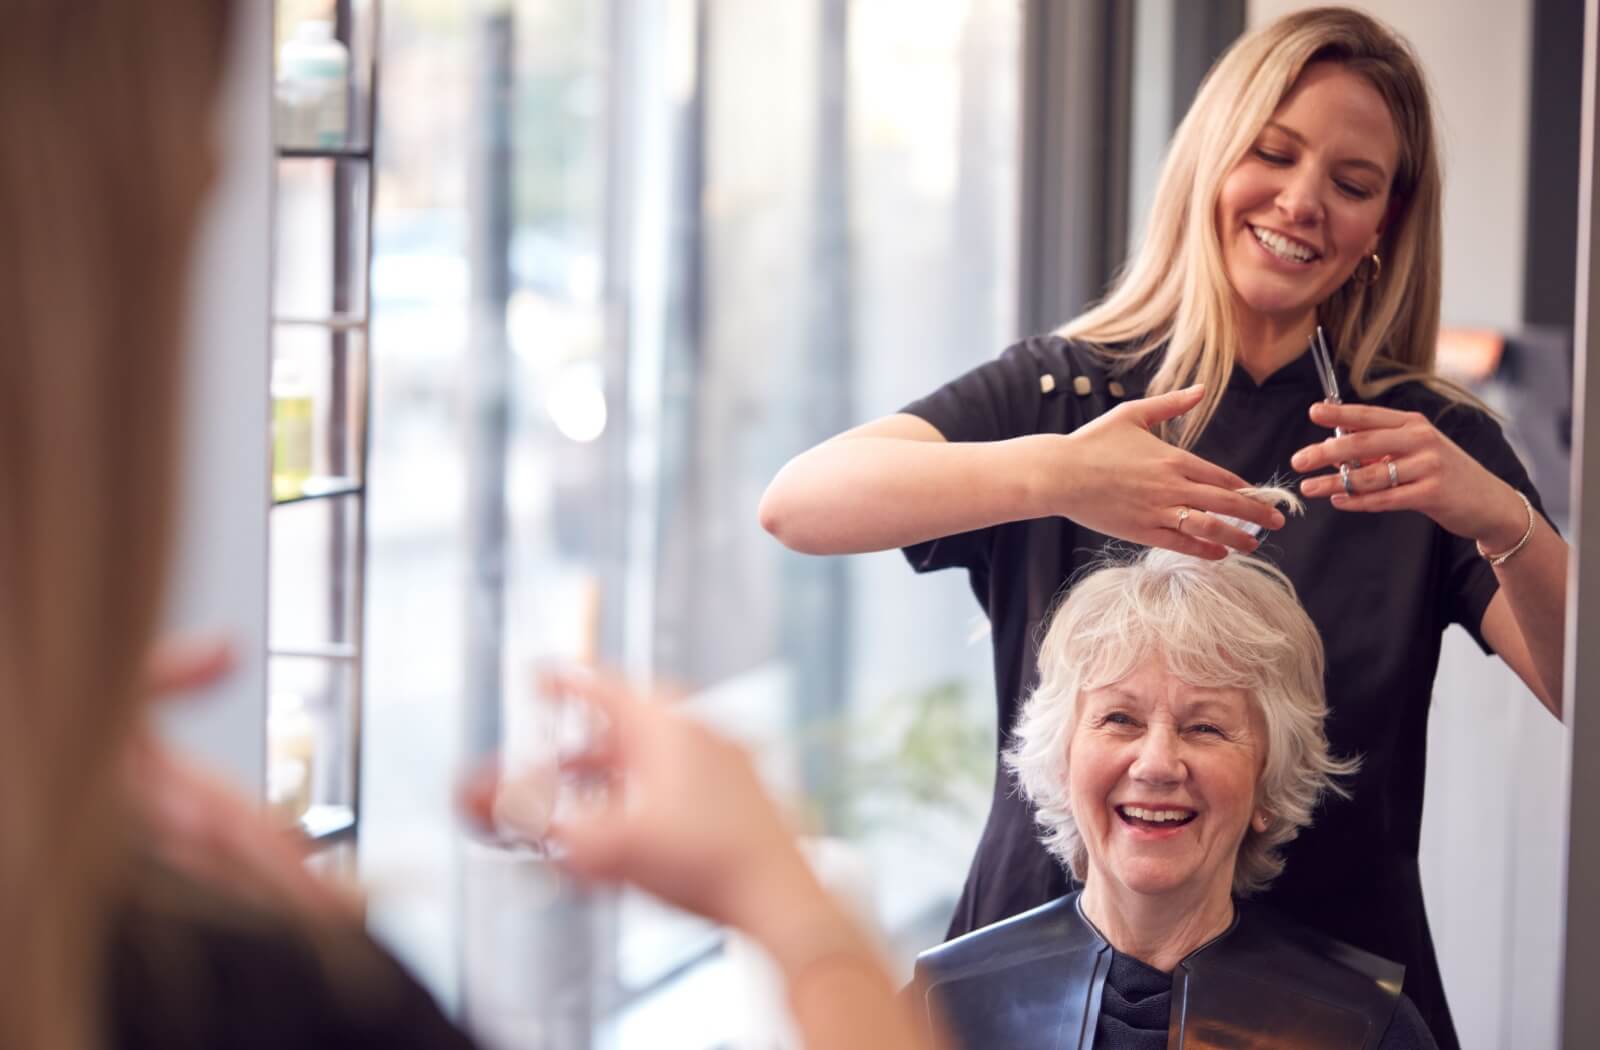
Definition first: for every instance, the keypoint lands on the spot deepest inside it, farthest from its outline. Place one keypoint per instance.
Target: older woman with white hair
(1173, 746)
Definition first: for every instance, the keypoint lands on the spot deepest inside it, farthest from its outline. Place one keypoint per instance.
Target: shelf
(326, 824)
(325, 153)
(345, 488)
(323, 170)
(334, 323)
(337, 652)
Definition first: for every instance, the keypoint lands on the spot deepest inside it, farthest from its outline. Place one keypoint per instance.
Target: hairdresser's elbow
(783, 519)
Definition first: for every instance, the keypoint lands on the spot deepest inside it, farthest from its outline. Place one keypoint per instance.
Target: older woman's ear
(1259, 822)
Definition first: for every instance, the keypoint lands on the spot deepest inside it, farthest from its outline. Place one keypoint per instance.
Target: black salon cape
(1381, 589)
(1047, 979)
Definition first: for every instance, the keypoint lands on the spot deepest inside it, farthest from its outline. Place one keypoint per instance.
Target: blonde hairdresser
(1302, 189)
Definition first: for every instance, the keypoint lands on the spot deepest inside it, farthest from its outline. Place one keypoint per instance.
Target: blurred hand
(198, 823)
(1123, 481)
(685, 817)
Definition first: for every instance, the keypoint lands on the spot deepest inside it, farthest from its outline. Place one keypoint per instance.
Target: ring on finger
(1394, 471)
(1344, 479)
(1183, 516)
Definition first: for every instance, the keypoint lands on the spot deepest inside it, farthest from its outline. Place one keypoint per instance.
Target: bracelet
(1497, 560)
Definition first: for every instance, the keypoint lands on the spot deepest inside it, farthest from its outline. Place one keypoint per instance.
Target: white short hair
(1229, 624)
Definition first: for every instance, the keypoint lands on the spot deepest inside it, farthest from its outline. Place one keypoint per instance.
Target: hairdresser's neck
(1267, 342)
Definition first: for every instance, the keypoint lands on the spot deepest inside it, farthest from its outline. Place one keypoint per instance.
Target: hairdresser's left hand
(1435, 476)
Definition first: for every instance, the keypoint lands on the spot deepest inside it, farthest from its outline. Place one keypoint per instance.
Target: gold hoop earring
(1369, 278)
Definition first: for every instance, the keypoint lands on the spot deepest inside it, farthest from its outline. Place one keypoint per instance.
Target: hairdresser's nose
(1300, 198)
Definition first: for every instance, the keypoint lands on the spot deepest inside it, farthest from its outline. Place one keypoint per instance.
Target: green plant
(924, 751)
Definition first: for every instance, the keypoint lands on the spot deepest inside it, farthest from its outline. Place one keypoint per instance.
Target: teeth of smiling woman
(1282, 246)
(1156, 815)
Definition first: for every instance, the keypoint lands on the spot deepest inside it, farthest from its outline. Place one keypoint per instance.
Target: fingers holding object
(1235, 505)
(1198, 524)
(1359, 417)
(1178, 539)
(1363, 446)
(1382, 475)
(1204, 472)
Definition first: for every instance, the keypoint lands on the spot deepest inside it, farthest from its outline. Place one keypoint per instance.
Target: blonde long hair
(1175, 293)
(105, 109)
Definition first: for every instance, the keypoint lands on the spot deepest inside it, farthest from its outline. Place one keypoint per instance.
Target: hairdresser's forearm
(868, 493)
(1534, 583)
(840, 994)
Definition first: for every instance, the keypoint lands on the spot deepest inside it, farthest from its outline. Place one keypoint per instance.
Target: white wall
(221, 571)
(1494, 815)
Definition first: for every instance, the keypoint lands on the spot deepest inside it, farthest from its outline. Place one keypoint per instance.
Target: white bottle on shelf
(313, 88)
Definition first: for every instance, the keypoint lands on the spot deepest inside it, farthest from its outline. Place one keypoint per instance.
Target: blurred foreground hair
(106, 109)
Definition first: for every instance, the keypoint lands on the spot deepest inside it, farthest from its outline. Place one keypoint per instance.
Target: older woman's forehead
(1149, 687)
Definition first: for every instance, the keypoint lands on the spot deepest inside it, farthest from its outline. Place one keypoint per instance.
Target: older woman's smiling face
(1163, 781)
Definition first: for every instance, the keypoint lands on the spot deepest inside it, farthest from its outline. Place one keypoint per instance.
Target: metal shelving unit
(317, 530)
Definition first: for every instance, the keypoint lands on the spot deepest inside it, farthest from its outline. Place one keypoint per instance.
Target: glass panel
(320, 247)
(859, 237)
(319, 381)
(799, 238)
(313, 574)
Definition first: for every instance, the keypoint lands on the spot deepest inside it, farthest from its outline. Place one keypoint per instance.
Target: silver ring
(1394, 472)
(1183, 516)
(1344, 479)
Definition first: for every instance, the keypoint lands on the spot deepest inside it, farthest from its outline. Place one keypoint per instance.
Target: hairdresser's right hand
(686, 817)
(1124, 481)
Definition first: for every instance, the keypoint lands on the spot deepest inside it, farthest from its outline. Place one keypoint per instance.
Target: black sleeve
(998, 400)
(1406, 1030)
(1470, 583)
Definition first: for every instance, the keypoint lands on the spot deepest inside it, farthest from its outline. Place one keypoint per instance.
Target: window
(730, 230)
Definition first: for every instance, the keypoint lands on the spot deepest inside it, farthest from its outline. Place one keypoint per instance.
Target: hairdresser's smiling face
(1163, 781)
(1307, 203)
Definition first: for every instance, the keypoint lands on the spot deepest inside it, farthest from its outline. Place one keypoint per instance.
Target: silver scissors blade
(1330, 389)
(1324, 362)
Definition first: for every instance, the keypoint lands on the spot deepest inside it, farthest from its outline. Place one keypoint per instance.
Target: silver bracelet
(1497, 560)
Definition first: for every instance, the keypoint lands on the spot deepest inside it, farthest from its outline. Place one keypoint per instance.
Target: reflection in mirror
(736, 251)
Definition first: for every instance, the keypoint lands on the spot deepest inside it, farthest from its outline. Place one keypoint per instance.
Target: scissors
(1330, 390)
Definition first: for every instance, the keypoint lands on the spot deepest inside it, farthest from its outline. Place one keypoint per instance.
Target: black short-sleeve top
(1381, 589)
